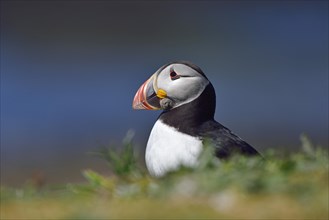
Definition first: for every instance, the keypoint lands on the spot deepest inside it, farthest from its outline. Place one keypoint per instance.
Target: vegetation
(293, 186)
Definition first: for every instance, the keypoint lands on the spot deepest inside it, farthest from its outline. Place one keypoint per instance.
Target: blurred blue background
(70, 69)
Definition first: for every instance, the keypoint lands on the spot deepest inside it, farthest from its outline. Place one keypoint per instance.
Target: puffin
(188, 102)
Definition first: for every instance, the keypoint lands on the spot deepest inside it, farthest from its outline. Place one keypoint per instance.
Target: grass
(293, 186)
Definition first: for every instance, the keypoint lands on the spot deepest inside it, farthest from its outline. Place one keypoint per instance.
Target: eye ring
(174, 75)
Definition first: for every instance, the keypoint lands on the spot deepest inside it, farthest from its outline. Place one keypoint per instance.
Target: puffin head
(171, 86)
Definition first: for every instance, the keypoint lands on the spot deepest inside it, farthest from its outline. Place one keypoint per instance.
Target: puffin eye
(174, 75)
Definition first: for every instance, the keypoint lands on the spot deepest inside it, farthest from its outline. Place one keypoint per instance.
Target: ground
(281, 186)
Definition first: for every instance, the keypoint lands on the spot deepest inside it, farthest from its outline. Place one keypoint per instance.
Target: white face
(182, 83)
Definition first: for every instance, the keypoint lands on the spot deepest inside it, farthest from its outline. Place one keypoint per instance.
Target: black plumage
(196, 118)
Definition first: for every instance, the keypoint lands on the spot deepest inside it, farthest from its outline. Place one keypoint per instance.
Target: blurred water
(69, 71)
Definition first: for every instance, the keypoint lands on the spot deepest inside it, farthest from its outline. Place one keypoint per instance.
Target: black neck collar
(188, 117)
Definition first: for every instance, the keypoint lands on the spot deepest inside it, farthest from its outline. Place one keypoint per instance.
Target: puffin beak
(146, 97)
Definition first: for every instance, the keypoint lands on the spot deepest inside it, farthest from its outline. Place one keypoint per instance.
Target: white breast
(167, 150)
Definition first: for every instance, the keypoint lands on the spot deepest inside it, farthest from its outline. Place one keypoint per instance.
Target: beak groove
(145, 97)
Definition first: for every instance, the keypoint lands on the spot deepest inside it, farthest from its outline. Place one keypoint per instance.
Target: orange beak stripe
(140, 101)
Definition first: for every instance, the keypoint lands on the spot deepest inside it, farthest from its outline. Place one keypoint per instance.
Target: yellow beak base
(161, 94)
